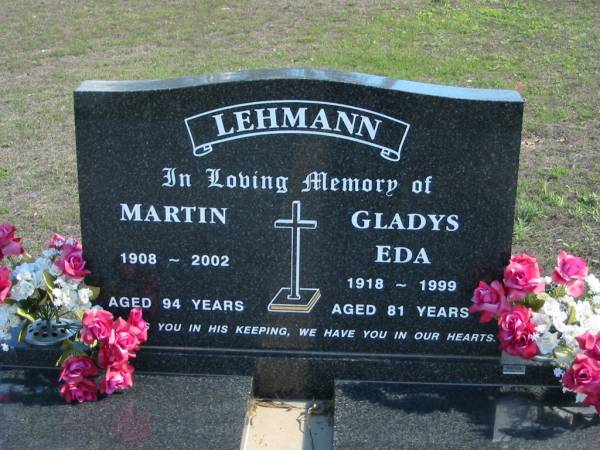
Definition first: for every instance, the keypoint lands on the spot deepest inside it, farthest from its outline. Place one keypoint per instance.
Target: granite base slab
(161, 411)
(304, 376)
(372, 415)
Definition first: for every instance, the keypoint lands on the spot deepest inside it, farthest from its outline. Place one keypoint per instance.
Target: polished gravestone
(303, 226)
(161, 411)
(393, 416)
(313, 223)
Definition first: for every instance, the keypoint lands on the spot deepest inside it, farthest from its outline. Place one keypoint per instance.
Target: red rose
(9, 244)
(522, 277)
(516, 332)
(76, 368)
(489, 300)
(71, 262)
(83, 390)
(117, 378)
(139, 327)
(124, 338)
(111, 353)
(584, 375)
(97, 325)
(570, 271)
(4, 283)
(590, 343)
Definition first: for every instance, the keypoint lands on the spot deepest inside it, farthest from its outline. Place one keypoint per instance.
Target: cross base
(308, 299)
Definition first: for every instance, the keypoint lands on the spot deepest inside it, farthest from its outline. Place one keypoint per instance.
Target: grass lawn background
(549, 49)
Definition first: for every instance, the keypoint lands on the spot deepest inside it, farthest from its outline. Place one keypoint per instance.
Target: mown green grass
(549, 49)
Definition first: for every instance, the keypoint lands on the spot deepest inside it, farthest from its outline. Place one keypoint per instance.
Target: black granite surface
(131, 134)
(306, 375)
(391, 416)
(159, 412)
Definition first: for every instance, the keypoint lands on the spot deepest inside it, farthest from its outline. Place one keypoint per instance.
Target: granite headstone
(298, 212)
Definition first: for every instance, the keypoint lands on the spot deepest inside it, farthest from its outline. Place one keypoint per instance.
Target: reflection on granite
(414, 416)
(159, 412)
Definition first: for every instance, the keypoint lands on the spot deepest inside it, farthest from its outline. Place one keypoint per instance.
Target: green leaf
(68, 354)
(572, 317)
(49, 281)
(25, 315)
(558, 291)
(95, 291)
(534, 302)
(23, 331)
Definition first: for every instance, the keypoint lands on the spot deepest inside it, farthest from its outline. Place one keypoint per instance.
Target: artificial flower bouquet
(49, 287)
(556, 317)
(111, 344)
(47, 298)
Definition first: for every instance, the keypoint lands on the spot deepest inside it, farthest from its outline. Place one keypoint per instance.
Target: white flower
(542, 322)
(569, 335)
(42, 264)
(4, 347)
(67, 294)
(593, 283)
(8, 315)
(57, 295)
(558, 372)
(567, 300)
(583, 311)
(54, 271)
(547, 280)
(22, 290)
(553, 308)
(592, 324)
(31, 272)
(65, 297)
(547, 342)
(85, 296)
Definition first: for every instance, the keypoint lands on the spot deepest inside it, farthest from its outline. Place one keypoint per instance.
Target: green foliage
(532, 301)
(572, 317)
(73, 351)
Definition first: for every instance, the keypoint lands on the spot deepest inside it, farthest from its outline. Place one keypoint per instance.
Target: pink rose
(490, 300)
(117, 378)
(76, 368)
(124, 338)
(9, 244)
(83, 390)
(111, 353)
(522, 277)
(71, 262)
(139, 327)
(516, 333)
(97, 325)
(57, 241)
(590, 343)
(584, 375)
(570, 271)
(4, 283)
